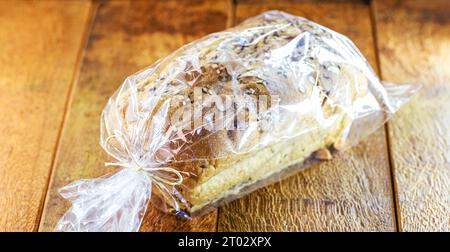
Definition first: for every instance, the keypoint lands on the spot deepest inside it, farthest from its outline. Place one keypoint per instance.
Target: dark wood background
(61, 60)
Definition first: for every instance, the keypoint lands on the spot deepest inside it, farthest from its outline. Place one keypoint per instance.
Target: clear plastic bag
(227, 114)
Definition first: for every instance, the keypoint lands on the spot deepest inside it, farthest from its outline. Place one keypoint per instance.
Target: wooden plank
(413, 40)
(39, 46)
(350, 193)
(127, 36)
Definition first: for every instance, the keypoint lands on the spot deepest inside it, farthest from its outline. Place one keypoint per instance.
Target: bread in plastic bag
(227, 114)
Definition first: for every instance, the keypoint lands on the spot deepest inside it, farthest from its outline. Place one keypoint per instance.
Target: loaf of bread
(227, 114)
(313, 82)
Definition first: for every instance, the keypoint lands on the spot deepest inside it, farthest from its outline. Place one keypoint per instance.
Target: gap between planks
(397, 222)
(69, 98)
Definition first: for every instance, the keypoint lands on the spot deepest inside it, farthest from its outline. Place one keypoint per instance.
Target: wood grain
(350, 193)
(39, 46)
(414, 46)
(127, 36)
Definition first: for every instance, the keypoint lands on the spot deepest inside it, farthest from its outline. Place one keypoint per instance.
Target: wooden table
(61, 60)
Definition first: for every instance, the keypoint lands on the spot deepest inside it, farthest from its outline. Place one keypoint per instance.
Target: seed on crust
(323, 154)
(188, 77)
